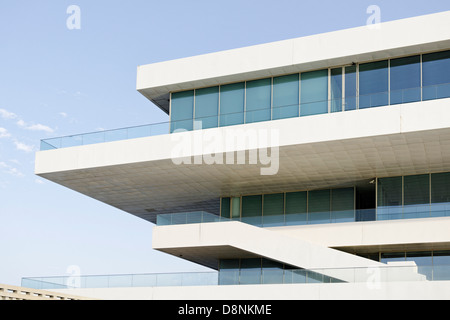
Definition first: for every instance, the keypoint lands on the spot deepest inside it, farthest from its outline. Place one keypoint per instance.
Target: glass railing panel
(347, 274)
(416, 211)
(285, 112)
(441, 273)
(188, 218)
(95, 282)
(440, 91)
(169, 280)
(144, 280)
(258, 115)
(374, 100)
(345, 216)
(314, 277)
(313, 108)
(208, 217)
(351, 103)
(443, 91)
(342, 216)
(181, 125)
(295, 276)
(252, 276)
(163, 220)
(139, 132)
(199, 279)
(273, 221)
(231, 119)
(366, 215)
(194, 217)
(36, 283)
(179, 218)
(50, 144)
(319, 217)
(426, 271)
(336, 105)
(206, 122)
(440, 210)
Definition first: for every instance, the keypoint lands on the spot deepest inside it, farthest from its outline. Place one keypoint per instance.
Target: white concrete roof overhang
(322, 151)
(390, 39)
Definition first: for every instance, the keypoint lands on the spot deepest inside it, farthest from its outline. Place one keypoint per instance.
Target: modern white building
(311, 168)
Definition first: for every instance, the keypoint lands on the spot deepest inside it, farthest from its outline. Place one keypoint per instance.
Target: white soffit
(390, 39)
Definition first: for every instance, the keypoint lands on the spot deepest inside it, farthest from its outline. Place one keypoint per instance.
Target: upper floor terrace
(398, 62)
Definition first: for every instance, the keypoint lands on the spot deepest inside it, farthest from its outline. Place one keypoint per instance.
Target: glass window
(232, 100)
(405, 80)
(436, 75)
(343, 205)
(350, 88)
(182, 111)
(206, 108)
(373, 84)
(389, 203)
(250, 271)
(285, 97)
(273, 209)
(296, 208)
(314, 93)
(319, 206)
(258, 100)
(236, 207)
(225, 208)
(336, 90)
(252, 209)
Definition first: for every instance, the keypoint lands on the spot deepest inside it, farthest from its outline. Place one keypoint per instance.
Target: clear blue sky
(56, 82)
